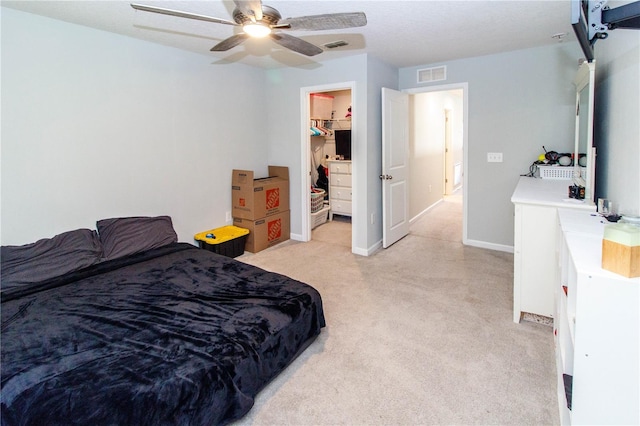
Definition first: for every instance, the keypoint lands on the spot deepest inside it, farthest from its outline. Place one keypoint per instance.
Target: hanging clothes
(323, 180)
(318, 129)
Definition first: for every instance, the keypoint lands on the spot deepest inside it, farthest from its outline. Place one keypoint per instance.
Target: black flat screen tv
(343, 143)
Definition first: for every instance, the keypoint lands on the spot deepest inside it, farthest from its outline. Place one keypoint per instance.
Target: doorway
(438, 148)
(328, 125)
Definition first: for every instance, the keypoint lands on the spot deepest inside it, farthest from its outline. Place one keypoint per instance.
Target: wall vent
(427, 75)
(335, 44)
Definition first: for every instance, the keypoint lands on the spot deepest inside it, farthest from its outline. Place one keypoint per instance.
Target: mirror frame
(585, 176)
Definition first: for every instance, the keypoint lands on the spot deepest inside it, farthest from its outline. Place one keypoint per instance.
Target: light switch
(494, 157)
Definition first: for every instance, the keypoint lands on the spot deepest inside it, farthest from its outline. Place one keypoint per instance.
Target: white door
(395, 166)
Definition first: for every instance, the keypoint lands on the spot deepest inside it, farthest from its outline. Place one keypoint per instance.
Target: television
(343, 143)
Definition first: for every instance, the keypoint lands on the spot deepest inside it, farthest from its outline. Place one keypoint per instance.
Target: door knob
(386, 177)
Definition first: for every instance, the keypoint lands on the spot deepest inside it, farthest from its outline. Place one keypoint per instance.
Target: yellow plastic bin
(228, 241)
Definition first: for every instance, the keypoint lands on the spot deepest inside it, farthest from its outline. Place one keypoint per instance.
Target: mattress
(173, 335)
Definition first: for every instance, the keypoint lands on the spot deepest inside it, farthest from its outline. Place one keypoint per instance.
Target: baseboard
(367, 252)
(486, 245)
(378, 245)
(425, 211)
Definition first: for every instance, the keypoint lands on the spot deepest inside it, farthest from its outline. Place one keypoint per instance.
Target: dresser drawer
(340, 206)
(340, 180)
(339, 167)
(340, 193)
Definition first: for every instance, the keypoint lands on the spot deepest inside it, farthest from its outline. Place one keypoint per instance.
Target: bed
(152, 332)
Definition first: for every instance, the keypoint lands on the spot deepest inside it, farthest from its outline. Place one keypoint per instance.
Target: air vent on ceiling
(335, 44)
(428, 75)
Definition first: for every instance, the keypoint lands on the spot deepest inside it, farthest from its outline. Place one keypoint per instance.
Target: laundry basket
(317, 200)
(319, 217)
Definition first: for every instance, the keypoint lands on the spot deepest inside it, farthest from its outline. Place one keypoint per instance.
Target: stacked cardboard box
(261, 206)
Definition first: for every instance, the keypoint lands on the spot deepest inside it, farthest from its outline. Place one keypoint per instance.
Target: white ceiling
(401, 33)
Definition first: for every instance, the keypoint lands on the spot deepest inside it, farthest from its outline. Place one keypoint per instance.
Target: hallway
(443, 221)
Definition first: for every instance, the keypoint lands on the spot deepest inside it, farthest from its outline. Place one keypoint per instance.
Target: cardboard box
(621, 249)
(265, 232)
(258, 198)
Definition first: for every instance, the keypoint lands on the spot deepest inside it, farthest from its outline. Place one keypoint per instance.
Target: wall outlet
(373, 218)
(228, 217)
(494, 157)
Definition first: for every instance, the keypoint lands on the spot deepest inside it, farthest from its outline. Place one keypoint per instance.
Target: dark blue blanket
(175, 335)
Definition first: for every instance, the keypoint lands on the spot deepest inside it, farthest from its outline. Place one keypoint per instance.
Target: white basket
(556, 172)
(317, 200)
(319, 217)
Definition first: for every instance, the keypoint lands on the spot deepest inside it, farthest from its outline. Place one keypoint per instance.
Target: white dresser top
(547, 192)
(579, 221)
(583, 233)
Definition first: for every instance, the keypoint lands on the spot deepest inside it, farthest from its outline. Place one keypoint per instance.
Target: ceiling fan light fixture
(259, 20)
(256, 29)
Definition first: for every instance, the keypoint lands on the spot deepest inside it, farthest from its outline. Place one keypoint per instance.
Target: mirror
(584, 151)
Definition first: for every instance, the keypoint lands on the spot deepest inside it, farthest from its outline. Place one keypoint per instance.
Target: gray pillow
(129, 235)
(49, 257)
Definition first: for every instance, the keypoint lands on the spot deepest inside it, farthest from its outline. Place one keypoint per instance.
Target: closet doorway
(328, 163)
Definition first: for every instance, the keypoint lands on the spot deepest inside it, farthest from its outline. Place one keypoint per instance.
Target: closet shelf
(323, 128)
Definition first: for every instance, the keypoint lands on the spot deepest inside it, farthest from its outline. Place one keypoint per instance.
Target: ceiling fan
(258, 20)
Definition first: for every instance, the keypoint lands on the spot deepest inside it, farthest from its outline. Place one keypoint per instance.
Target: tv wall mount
(592, 19)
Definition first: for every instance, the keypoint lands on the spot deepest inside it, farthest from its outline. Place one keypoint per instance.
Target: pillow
(129, 235)
(49, 257)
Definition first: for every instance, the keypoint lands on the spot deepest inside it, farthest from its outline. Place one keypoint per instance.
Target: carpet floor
(419, 333)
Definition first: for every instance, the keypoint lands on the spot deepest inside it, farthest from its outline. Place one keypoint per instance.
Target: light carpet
(419, 333)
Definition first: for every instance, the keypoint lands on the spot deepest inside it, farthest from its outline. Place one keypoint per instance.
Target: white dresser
(536, 203)
(597, 329)
(339, 188)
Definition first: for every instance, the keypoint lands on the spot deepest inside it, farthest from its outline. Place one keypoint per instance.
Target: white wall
(617, 119)
(97, 125)
(518, 101)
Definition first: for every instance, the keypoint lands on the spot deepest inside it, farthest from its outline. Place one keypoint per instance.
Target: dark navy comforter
(175, 335)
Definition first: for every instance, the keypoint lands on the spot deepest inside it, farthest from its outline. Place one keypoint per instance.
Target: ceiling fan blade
(181, 14)
(329, 21)
(230, 42)
(296, 44)
(251, 8)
